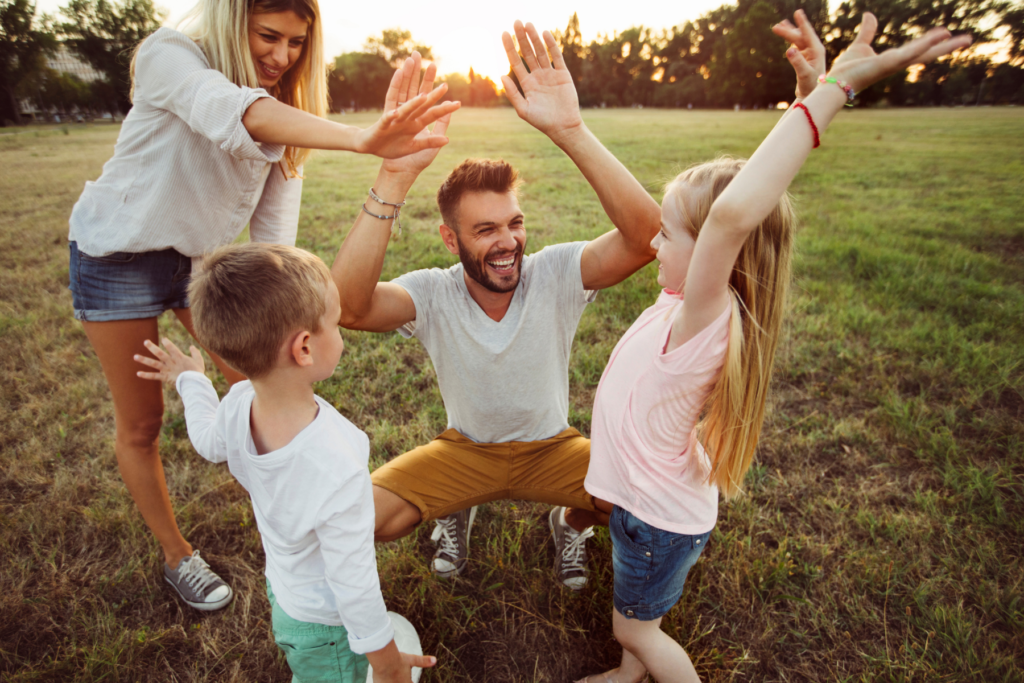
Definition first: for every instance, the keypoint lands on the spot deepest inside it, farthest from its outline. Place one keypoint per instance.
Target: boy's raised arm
(549, 103)
(367, 303)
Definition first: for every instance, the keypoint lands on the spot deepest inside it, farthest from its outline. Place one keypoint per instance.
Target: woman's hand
(862, 67)
(400, 131)
(171, 363)
(807, 54)
(404, 91)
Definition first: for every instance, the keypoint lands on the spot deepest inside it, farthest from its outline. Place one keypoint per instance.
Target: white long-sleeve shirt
(313, 504)
(185, 173)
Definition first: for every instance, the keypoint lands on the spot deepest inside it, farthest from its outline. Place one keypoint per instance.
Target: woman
(223, 118)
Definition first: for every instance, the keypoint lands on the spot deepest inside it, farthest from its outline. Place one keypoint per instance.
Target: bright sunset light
(468, 34)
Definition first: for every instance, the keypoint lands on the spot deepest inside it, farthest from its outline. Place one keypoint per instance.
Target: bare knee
(139, 434)
(633, 634)
(395, 517)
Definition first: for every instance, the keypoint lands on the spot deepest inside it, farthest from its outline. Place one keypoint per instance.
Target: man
(498, 326)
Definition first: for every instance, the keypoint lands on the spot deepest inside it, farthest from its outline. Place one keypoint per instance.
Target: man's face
(490, 239)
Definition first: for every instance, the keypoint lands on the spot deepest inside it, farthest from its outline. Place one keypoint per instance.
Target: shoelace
(447, 538)
(196, 573)
(574, 550)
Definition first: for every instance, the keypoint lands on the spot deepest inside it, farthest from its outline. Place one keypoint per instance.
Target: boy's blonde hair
(221, 29)
(735, 410)
(247, 298)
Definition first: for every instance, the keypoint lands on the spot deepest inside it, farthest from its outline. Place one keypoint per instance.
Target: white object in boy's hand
(171, 363)
(407, 641)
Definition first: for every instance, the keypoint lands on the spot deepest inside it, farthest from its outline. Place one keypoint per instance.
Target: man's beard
(479, 273)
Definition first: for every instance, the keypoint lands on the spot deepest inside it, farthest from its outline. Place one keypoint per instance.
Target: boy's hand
(807, 54)
(171, 363)
(413, 164)
(403, 674)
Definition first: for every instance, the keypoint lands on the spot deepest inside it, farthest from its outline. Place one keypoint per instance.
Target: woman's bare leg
(231, 375)
(138, 417)
(653, 649)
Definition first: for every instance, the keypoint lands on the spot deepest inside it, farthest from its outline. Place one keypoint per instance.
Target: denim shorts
(650, 565)
(315, 652)
(126, 285)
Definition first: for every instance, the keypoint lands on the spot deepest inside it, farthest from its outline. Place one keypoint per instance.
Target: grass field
(881, 536)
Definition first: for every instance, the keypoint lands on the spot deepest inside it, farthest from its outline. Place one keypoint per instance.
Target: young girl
(705, 349)
(223, 118)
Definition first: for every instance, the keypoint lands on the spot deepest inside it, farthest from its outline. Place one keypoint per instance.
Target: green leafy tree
(359, 81)
(24, 42)
(394, 45)
(106, 33)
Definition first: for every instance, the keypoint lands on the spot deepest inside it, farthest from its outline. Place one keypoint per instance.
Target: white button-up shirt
(185, 173)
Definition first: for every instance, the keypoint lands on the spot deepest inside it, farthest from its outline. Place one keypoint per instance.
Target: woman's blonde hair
(734, 412)
(221, 28)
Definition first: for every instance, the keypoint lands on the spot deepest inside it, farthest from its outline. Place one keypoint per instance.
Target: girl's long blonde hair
(734, 412)
(221, 28)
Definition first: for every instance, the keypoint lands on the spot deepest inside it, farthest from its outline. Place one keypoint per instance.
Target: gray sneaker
(570, 551)
(197, 585)
(451, 534)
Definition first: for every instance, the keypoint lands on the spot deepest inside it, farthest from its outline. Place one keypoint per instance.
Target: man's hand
(399, 131)
(171, 363)
(404, 91)
(807, 54)
(549, 102)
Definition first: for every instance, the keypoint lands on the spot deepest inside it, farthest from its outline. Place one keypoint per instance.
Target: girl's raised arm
(757, 188)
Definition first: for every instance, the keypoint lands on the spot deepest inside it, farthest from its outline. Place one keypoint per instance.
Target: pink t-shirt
(644, 454)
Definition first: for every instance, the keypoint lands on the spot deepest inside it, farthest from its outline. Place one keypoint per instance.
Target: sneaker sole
(458, 571)
(202, 606)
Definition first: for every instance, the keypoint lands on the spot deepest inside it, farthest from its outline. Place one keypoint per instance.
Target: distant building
(66, 61)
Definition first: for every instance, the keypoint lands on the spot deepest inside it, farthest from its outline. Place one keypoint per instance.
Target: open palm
(404, 88)
(549, 102)
(860, 66)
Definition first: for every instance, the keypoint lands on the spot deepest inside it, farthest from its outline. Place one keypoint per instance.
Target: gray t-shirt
(509, 380)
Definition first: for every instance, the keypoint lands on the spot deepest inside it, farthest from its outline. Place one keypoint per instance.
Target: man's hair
(247, 298)
(474, 175)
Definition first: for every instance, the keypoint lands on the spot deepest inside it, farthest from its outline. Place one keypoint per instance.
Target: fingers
(422, 661)
(789, 33)
(512, 93)
(800, 65)
(807, 32)
(868, 27)
(436, 114)
(146, 360)
(414, 77)
(537, 45)
(944, 48)
(556, 52)
(408, 75)
(391, 99)
(156, 350)
(197, 356)
(514, 60)
(428, 79)
(524, 46)
(158, 376)
(441, 127)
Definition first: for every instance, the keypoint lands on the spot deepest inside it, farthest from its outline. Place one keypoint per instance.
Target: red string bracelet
(817, 140)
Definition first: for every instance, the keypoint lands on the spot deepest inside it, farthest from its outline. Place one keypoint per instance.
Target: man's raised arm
(367, 303)
(549, 103)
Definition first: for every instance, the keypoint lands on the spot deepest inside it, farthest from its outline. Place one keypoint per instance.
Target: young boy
(271, 312)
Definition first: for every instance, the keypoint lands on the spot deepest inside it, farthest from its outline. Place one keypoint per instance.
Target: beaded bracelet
(817, 140)
(847, 88)
(396, 227)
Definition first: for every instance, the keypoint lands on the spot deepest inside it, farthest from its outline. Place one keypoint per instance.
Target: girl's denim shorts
(126, 285)
(650, 565)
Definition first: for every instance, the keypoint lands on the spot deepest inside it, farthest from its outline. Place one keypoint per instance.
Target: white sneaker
(570, 550)
(197, 585)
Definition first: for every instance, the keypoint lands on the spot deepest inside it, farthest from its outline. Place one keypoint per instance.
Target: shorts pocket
(311, 661)
(632, 532)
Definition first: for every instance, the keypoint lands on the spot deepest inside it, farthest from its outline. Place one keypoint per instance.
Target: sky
(466, 34)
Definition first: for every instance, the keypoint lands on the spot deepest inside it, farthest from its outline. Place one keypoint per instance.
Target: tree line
(727, 57)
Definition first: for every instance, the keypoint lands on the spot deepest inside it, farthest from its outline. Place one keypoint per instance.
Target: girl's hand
(862, 67)
(400, 131)
(807, 54)
(171, 363)
(406, 90)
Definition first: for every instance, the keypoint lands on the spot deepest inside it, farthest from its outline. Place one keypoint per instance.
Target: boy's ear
(450, 241)
(300, 350)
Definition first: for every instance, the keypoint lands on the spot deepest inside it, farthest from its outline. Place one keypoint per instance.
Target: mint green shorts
(315, 652)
